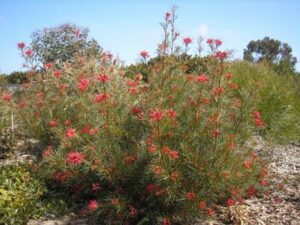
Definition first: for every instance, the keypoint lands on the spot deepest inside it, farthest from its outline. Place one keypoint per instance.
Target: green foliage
(17, 77)
(5, 141)
(277, 99)
(2, 79)
(187, 63)
(22, 196)
(62, 43)
(272, 51)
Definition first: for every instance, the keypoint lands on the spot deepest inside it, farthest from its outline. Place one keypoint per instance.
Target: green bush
(277, 99)
(22, 196)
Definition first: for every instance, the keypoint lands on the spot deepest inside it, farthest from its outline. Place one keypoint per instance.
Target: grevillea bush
(163, 151)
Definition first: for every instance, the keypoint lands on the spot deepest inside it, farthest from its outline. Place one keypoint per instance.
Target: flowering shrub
(149, 153)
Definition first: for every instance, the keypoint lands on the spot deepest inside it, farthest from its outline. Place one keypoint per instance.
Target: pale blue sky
(127, 27)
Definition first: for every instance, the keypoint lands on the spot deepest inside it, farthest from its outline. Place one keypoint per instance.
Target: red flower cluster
(6, 96)
(57, 73)
(211, 41)
(187, 40)
(47, 152)
(93, 205)
(53, 123)
(82, 84)
(70, 133)
(151, 187)
(75, 158)
(156, 115)
(144, 54)
(230, 202)
(221, 55)
(202, 78)
(166, 221)
(104, 78)
(21, 45)
(258, 121)
(251, 191)
(62, 176)
(28, 52)
(171, 114)
(95, 187)
(190, 196)
(102, 97)
(171, 153)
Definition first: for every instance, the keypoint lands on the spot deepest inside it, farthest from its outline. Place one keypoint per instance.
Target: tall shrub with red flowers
(157, 151)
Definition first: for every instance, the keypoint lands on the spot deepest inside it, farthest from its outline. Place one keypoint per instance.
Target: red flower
(75, 158)
(218, 42)
(21, 45)
(202, 205)
(151, 187)
(156, 115)
(102, 97)
(82, 84)
(228, 76)
(133, 211)
(144, 54)
(93, 205)
(57, 74)
(210, 211)
(166, 221)
(151, 148)
(247, 164)
(171, 113)
(47, 152)
(187, 40)
(62, 176)
(6, 96)
(168, 15)
(95, 187)
(48, 66)
(251, 191)
(133, 90)
(128, 160)
(215, 133)
(202, 78)
(233, 86)
(136, 110)
(132, 83)
(71, 133)
(174, 176)
(230, 202)
(218, 91)
(86, 129)
(115, 201)
(171, 153)
(210, 41)
(259, 123)
(256, 115)
(190, 196)
(104, 78)
(221, 55)
(28, 52)
(53, 123)
(264, 182)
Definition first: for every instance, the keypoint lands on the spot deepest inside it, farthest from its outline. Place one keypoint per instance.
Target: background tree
(62, 43)
(272, 51)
